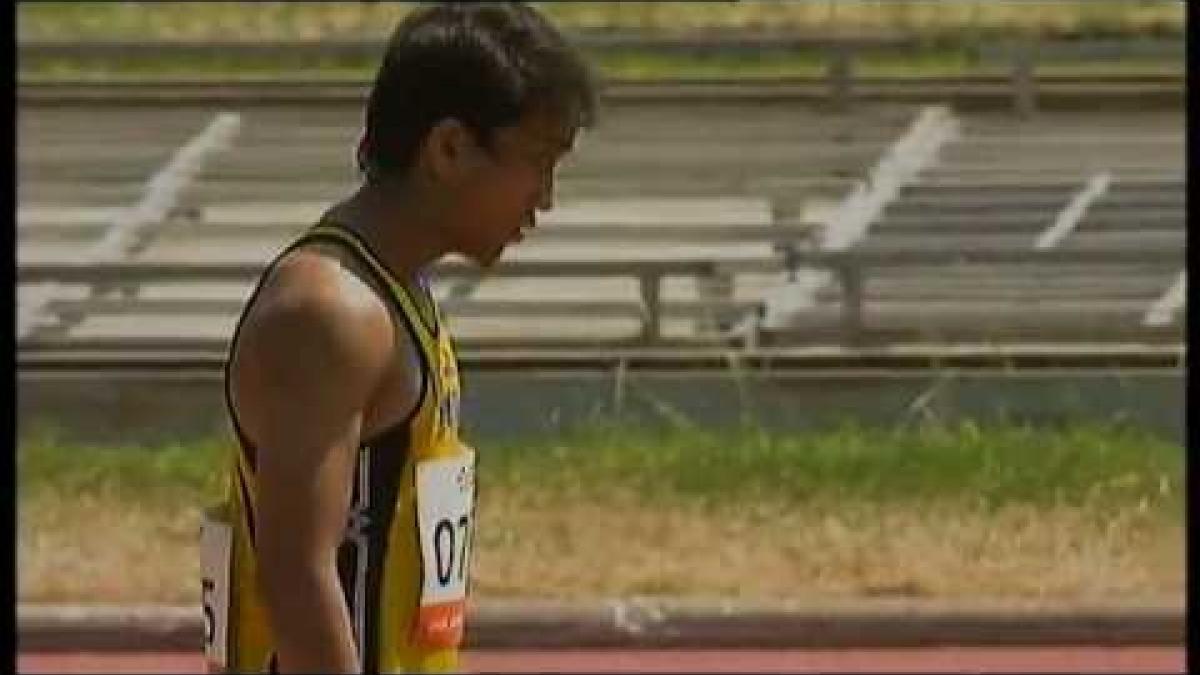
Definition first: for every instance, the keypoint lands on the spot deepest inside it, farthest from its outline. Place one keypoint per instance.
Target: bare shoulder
(314, 313)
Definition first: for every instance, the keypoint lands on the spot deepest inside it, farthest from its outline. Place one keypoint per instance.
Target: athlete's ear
(450, 150)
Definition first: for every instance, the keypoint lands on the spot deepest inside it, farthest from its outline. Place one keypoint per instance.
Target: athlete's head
(477, 101)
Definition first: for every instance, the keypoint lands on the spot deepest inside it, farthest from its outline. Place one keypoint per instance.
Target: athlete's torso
(405, 556)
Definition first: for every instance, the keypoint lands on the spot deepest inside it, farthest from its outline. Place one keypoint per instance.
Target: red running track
(924, 660)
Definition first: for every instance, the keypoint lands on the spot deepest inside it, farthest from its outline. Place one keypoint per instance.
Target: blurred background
(884, 300)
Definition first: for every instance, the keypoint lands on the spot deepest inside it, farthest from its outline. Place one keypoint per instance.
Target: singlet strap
(243, 439)
(427, 321)
(425, 337)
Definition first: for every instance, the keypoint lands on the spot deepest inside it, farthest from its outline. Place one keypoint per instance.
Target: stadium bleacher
(1009, 184)
(726, 184)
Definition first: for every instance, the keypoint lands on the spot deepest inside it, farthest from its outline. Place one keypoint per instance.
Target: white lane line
(1163, 311)
(915, 151)
(911, 154)
(1074, 211)
(129, 227)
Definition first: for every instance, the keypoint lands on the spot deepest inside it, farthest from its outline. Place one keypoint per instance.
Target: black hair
(484, 64)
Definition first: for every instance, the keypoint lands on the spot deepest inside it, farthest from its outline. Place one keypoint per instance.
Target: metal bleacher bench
(650, 308)
(850, 268)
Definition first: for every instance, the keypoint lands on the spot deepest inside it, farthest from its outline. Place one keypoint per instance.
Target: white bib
(445, 520)
(216, 557)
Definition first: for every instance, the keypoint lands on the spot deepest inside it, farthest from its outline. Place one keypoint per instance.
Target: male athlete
(344, 543)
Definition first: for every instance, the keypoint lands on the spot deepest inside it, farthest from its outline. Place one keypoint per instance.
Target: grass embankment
(954, 32)
(1063, 515)
(316, 20)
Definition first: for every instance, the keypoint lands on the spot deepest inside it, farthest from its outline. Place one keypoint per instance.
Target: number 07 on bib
(445, 514)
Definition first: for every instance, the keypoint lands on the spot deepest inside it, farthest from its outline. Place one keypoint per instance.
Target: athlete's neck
(403, 230)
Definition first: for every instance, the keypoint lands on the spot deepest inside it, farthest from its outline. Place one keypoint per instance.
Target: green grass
(1070, 514)
(1084, 465)
(1098, 466)
(153, 475)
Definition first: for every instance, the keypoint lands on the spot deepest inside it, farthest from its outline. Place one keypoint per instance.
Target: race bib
(216, 556)
(445, 518)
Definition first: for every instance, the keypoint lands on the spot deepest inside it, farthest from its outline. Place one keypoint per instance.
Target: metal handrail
(850, 268)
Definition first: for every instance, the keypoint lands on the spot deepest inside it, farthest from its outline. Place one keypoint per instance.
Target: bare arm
(306, 367)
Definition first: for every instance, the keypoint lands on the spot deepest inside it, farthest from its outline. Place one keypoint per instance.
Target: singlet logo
(357, 523)
(464, 479)
(449, 406)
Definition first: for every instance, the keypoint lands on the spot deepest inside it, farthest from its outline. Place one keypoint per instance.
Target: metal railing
(850, 268)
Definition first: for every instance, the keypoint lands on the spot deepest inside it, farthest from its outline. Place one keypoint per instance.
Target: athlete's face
(500, 195)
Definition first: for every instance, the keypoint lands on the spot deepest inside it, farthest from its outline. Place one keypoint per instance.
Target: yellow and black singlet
(404, 560)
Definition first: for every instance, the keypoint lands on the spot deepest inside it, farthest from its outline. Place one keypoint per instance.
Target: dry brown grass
(91, 548)
(566, 550)
(549, 545)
